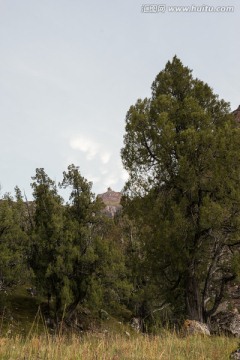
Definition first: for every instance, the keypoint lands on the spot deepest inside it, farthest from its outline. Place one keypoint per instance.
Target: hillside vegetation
(105, 347)
(169, 252)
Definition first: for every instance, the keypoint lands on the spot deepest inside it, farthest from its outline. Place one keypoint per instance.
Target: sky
(70, 70)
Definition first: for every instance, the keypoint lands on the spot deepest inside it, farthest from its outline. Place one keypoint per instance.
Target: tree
(47, 236)
(13, 242)
(81, 213)
(113, 270)
(73, 254)
(181, 150)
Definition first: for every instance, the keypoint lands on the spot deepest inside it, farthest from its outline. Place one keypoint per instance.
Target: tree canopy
(181, 150)
(171, 252)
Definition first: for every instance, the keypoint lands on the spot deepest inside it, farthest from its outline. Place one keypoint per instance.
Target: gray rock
(227, 322)
(193, 327)
(235, 355)
(136, 324)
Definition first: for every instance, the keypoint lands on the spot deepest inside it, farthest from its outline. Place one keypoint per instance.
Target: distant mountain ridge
(112, 200)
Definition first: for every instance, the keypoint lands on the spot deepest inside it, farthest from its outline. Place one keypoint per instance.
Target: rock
(235, 355)
(227, 322)
(111, 200)
(193, 327)
(236, 114)
(127, 333)
(136, 324)
(104, 314)
(235, 325)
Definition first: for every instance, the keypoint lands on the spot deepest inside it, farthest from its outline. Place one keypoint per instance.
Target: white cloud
(105, 157)
(88, 146)
(91, 148)
(105, 168)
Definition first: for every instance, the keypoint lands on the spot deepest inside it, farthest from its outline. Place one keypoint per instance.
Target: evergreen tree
(13, 242)
(181, 149)
(75, 255)
(47, 236)
(112, 275)
(81, 215)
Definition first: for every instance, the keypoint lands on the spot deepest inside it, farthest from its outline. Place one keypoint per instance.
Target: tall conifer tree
(181, 150)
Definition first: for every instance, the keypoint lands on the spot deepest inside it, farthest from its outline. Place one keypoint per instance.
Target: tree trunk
(71, 308)
(193, 299)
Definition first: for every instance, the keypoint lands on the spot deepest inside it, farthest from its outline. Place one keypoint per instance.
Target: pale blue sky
(70, 70)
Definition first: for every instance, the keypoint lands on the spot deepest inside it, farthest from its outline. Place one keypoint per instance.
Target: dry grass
(106, 347)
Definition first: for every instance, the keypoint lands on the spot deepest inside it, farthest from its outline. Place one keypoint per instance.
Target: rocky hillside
(111, 199)
(236, 113)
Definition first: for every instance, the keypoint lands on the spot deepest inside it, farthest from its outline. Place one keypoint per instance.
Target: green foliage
(47, 234)
(13, 242)
(110, 284)
(74, 255)
(181, 149)
(172, 250)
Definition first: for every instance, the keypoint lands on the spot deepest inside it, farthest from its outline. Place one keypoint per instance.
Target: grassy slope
(19, 340)
(106, 347)
(18, 311)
